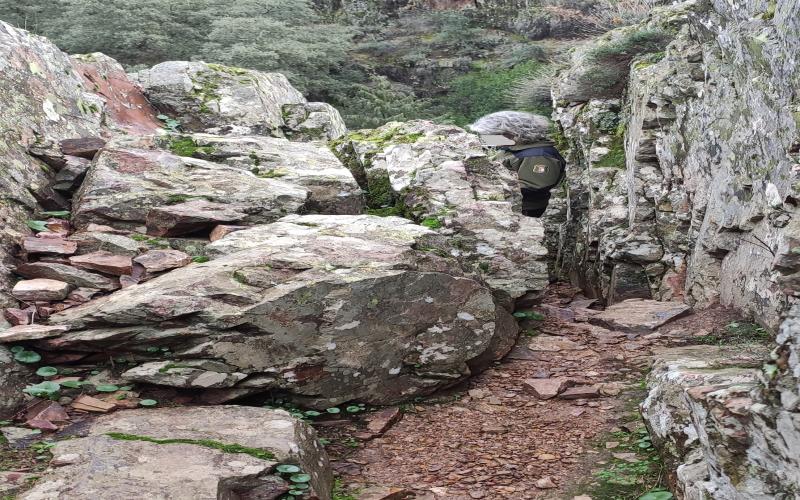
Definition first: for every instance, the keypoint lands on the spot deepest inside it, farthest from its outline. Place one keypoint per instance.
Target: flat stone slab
(640, 316)
(124, 456)
(31, 332)
(545, 388)
(41, 290)
(552, 343)
(58, 245)
(68, 274)
(105, 262)
(156, 261)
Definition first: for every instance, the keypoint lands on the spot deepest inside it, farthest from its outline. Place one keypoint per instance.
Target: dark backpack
(546, 151)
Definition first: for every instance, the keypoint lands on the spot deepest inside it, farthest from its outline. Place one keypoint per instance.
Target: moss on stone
(615, 158)
(186, 146)
(431, 223)
(208, 443)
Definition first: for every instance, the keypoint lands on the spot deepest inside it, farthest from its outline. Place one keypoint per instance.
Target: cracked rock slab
(639, 316)
(118, 459)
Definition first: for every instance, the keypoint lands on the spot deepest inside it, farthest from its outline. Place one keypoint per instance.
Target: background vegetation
(374, 65)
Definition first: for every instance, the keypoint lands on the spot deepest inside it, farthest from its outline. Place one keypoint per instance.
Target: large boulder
(225, 100)
(124, 187)
(441, 176)
(312, 166)
(327, 308)
(178, 453)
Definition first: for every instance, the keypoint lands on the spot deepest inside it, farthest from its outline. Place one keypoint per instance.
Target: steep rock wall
(697, 163)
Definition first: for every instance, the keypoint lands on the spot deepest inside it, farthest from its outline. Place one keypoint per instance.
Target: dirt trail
(495, 439)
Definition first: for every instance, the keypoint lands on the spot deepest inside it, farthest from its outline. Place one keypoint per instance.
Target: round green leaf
(353, 409)
(106, 388)
(43, 389)
(300, 486)
(333, 410)
(125, 388)
(95, 372)
(312, 413)
(297, 493)
(300, 478)
(148, 402)
(47, 371)
(287, 469)
(27, 357)
(16, 349)
(153, 349)
(71, 384)
(657, 495)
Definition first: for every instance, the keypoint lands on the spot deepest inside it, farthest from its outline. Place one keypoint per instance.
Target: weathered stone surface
(41, 96)
(639, 316)
(23, 333)
(132, 468)
(69, 178)
(124, 185)
(13, 378)
(84, 147)
(124, 105)
(312, 121)
(41, 290)
(301, 306)
(222, 231)
(190, 217)
(219, 99)
(12, 482)
(381, 421)
(47, 244)
(95, 241)
(581, 392)
(156, 261)
(68, 274)
(706, 412)
(441, 176)
(332, 188)
(105, 262)
(19, 316)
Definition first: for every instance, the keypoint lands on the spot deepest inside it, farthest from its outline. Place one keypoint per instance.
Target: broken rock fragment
(41, 290)
(68, 274)
(49, 244)
(156, 261)
(84, 147)
(545, 388)
(24, 333)
(105, 262)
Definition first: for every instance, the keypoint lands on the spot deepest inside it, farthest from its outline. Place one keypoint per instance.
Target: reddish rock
(105, 262)
(190, 217)
(161, 260)
(581, 392)
(222, 231)
(545, 388)
(84, 147)
(31, 332)
(41, 290)
(127, 281)
(49, 243)
(67, 274)
(59, 226)
(82, 295)
(382, 421)
(19, 316)
(45, 414)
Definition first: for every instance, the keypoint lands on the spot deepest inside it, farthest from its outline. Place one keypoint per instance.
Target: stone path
(496, 437)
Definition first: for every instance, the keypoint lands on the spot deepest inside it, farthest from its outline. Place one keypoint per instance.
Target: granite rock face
(118, 456)
(440, 176)
(327, 308)
(13, 378)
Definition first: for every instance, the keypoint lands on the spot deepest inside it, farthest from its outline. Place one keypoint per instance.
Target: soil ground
(493, 439)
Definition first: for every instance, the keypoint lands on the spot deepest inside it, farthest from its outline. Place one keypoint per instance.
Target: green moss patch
(186, 146)
(225, 448)
(615, 158)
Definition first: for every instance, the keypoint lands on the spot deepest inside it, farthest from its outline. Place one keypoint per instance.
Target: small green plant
(58, 214)
(223, 447)
(186, 146)
(431, 223)
(200, 259)
(170, 124)
(47, 390)
(106, 388)
(339, 492)
(297, 479)
(39, 226)
(531, 315)
(47, 371)
(24, 356)
(147, 403)
(737, 332)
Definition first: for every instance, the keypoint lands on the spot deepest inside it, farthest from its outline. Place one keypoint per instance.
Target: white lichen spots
(330, 346)
(362, 344)
(357, 374)
(348, 326)
(394, 371)
(436, 352)
(465, 316)
(50, 110)
(429, 299)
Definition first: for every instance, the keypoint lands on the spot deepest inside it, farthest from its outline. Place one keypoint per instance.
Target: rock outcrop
(442, 177)
(186, 453)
